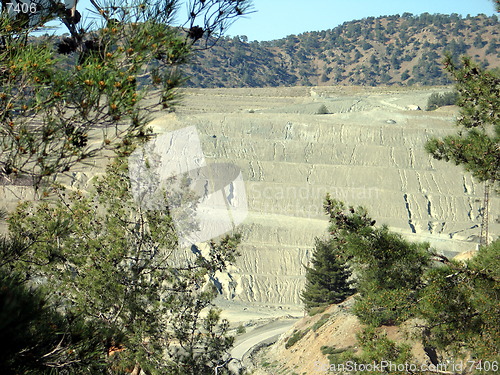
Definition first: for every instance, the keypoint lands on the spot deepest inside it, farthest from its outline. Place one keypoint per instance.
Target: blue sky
(275, 19)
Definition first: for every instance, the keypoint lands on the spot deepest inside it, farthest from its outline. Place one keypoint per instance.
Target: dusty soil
(338, 331)
(368, 150)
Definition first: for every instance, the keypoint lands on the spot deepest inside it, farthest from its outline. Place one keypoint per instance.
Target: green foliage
(325, 350)
(317, 310)
(366, 46)
(445, 302)
(492, 47)
(376, 347)
(292, 340)
(478, 42)
(63, 101)
(462, 305)
(396, 282)
(478, 89)
(322, 110)
(338, 356)
(437, 100)
(457, 48)
(389, 269)
(45, 127)
(327, 279)
(98, 280)
(324, 318)
(36, 337)
(428, 70)
(113, 263)
(475, 147)
(459, 303)
(380, 306)
(282, 62)
(392, 261)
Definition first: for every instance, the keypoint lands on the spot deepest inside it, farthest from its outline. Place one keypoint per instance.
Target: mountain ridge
(389, 50)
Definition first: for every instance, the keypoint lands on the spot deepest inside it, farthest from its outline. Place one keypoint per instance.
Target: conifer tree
(90, 272)
(117, 266)
(460, 301)
(477, 145)
(327, 281)
(37, 338)
(62, 101)
(388, 268)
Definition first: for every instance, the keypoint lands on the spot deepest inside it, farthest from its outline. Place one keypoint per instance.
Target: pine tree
(388, 268)
(62, 102)
(118, 266)
(91, 287)
(37, 337)
(477, 145)
(461, 307)
(460, 301)
(327, 281)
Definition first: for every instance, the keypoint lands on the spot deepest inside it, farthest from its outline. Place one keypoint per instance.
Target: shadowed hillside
(402, 50)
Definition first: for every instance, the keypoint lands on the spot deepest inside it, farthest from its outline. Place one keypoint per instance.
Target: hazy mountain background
(389, 50)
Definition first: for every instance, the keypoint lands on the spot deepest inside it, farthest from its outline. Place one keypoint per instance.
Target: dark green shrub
(327, 280)
(377, 347)
(325, 350)
(324, 318)
(317, 310)
(388, 268)
(294, 338)
(437, 100)
(322, 110)
(385, 307)
(336, 356)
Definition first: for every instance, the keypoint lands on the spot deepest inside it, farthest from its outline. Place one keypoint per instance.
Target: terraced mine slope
(368, 150)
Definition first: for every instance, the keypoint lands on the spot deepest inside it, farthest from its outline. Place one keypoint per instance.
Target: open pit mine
(364, 146)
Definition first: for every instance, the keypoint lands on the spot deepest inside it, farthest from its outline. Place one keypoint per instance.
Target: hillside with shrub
(391, 50)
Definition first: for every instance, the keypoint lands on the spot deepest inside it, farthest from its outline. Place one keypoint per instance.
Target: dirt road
(265, 334)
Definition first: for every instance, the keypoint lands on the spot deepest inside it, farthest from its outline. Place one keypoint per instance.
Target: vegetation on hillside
(456, 304)
(437, 100)
(114, 264)
(388, 268)
(476, 147)
(374, 345)
(327, 281)
(89, 281)
(56, 94)
(401, 49)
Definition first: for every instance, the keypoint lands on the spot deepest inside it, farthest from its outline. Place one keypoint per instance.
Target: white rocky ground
(367, 151)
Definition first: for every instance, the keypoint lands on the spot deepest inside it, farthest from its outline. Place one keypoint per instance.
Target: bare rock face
(368, 149)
